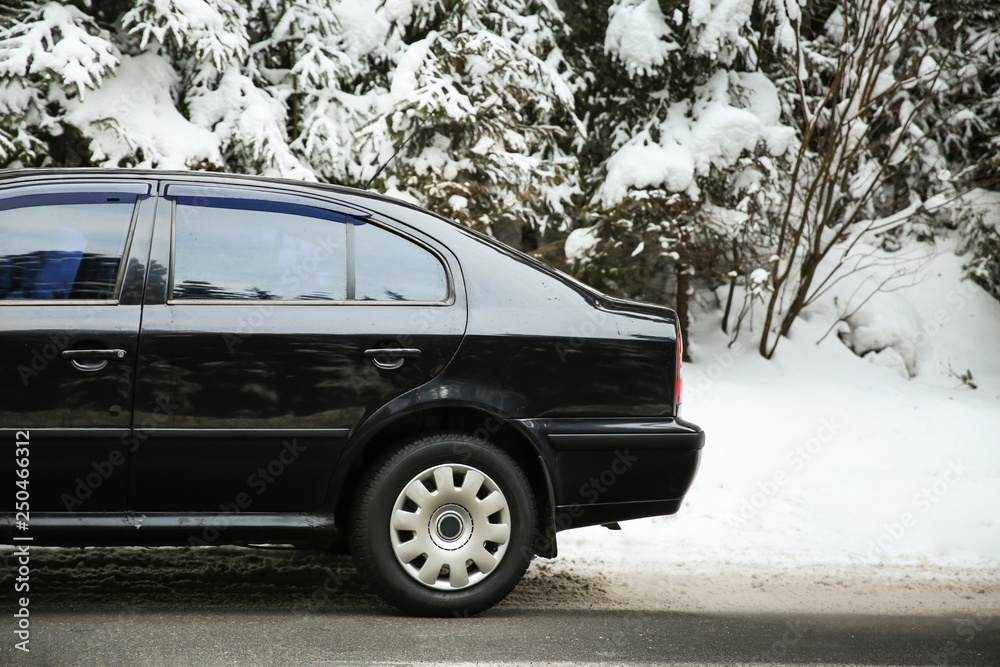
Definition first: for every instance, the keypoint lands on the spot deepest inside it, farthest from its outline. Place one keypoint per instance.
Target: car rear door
(72, 263)
(263, 345)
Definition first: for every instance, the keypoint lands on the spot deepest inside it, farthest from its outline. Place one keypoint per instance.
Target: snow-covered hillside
(821, 462)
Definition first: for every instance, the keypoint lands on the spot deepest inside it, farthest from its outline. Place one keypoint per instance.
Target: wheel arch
(535, 459)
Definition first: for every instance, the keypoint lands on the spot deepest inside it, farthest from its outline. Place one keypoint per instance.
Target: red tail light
(680, 382)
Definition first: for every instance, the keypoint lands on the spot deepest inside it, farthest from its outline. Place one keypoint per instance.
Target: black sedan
(194, 359)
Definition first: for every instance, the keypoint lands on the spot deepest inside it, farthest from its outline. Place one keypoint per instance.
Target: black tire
(459, 531)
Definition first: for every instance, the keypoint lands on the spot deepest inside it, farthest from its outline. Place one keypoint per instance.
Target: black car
(190, 358)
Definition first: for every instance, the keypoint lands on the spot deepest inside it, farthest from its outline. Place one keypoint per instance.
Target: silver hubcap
(450, 527)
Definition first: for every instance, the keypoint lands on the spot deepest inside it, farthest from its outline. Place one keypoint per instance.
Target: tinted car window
(227, 253)
(62, 251)
(392, 268)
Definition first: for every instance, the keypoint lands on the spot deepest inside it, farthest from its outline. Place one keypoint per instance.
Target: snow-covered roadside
(607, 578)
(861, 485)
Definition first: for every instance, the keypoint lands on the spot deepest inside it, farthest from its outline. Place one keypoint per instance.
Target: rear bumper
(608, 470)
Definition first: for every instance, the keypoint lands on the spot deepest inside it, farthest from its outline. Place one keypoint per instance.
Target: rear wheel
(444, 526)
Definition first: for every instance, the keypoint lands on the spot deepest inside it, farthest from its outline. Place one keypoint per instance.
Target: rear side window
(232, 253)
(392, 268)
(60, 251)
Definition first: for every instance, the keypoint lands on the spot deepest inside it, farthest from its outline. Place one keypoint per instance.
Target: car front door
(72, 263)
(264, 344)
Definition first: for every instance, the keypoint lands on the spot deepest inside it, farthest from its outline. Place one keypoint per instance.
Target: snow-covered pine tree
(683, 136)
(50, 53)
(971, 139)
(330, 60)
(223, 85)
(674, 172)
(477, 89)
(209, 35)
(968, 104)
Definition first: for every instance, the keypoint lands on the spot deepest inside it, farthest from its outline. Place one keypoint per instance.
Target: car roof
(380, 202)
(188, 175)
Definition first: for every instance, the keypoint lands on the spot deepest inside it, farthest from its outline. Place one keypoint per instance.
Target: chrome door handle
(395, 355)
(91, 361)
(93, 354)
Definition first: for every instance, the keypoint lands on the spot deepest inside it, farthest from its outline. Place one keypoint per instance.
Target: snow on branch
(214, 31)
(638, 35)
(60, 43)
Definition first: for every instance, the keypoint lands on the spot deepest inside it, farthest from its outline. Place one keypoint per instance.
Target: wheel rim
(450, 527)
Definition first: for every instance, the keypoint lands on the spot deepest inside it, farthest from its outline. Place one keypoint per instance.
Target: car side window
(393, 268)
(64, 250)
(232, 253)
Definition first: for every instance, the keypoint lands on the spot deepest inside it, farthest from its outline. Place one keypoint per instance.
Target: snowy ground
(829, 482)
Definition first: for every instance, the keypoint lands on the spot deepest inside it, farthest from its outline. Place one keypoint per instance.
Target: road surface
(231, 606)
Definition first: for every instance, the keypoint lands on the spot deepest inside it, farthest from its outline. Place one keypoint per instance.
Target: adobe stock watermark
(956, 299)
(966, 629)
(334, 583)
(491, 425)
(247, 326)
(922, 502)
(795, 460)
(591, 492)
(779, 648)
(423, 320)
(22, 540)
(579, 333)
(58, 342)
(317, 260)
(705, 377)
(258, 482)
(104, 469)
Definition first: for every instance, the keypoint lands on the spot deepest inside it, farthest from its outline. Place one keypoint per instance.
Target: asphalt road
(505, 636)
(240, 607)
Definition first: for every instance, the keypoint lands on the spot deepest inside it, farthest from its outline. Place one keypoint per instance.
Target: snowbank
(818, 458)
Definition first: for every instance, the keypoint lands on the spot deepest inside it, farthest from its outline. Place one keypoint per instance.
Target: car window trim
(450, 283)
(352, 264)
(37, 196)
(350, 220)
(301, 302)
(251, 206)
(173, 250)
(123, 264)
(138, 188)
(263, 197)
